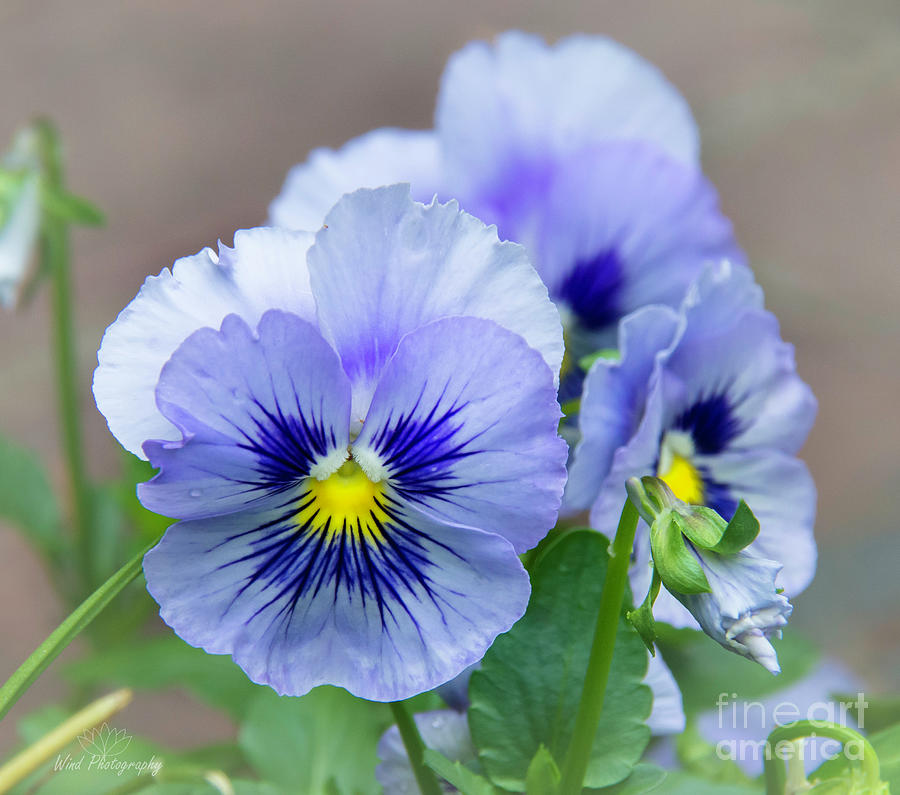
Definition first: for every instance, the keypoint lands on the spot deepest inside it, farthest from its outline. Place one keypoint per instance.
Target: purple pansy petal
(506, 111)
(386, 266)
(636, 458)
(613, 400)
(732, 352)
(385, 619)
(455, 693)
(380, 157)
(667, 716)
(265, 270)
(621, 226)
(258, 413)
(468, 431)
(445, 731)
(782, 495)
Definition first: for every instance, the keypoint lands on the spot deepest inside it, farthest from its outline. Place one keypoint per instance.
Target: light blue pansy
(709, 400)
(358, 436)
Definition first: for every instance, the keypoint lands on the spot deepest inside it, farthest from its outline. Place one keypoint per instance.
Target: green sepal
(679, 569)
(641, 618)
(702, 525)
(740, 532)
(608, 354)
(543, 774)
(458, 775)
(651, 496)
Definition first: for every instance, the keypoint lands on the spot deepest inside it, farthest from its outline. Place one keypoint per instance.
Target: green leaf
(527, 691)
(703, 672)
(685, 784)
(699, 756)
(641, 618)
(887, 745)
(458, 775)
(740, 532)
(244, 787)
(167, 661)
(879, 712)
(319, 744)
(27, 499)
(543, 776)
(677, 566)
(644, 778)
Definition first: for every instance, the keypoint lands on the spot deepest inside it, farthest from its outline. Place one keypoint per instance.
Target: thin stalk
(588, 718)
(25, 763)
(415, 749)
(66, 632)
(776, 778)
(56, 262)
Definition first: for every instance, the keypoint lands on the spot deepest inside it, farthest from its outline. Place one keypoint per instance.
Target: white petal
(381, 157)
(266, 269)
(18, 237)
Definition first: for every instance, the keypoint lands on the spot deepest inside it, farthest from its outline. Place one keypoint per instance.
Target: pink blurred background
(180, 120)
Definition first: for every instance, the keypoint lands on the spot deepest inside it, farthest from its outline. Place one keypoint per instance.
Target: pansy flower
(709, 400)
(581, 151)
(357, 433)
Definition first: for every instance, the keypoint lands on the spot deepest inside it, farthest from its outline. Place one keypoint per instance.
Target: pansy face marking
(356, 468)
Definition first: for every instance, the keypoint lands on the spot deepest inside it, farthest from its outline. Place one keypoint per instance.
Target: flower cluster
(582, 151)
(355, 412)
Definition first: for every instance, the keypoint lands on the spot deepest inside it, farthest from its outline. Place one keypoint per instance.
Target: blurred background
(181, 119)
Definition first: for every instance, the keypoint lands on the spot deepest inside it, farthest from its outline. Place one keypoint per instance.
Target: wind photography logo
(105, 741)
(103, 749)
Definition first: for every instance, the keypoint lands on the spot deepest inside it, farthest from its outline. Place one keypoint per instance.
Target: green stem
(600, 661)
(66, 632)
(776, 778)
(415, 749)
(55, 256)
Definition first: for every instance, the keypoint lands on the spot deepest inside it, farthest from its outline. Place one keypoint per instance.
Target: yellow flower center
(344, 502)
(677, 470)
(684, 480)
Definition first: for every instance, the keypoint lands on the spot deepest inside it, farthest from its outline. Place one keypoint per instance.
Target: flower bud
(20, 214)
(742, 610)
(702, 560)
